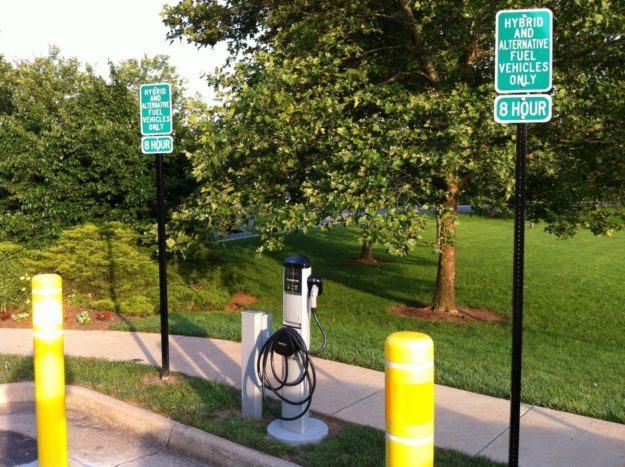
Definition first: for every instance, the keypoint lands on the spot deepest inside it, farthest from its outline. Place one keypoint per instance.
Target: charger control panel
(295, 290)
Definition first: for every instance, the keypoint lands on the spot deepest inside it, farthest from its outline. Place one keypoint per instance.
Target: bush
(103, 305)
(200, 282)
(137, 305)
(104, 265)
(84, 318)
(14, 283)
(103, 262)
(203, 295)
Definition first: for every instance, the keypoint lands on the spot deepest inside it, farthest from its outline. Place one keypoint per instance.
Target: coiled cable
(288, 343)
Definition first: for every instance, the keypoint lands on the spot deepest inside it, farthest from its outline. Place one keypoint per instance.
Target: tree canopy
(362, 105)
(70, 146)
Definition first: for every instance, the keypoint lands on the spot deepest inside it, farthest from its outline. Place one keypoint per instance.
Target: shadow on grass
(215, 408)
(330, 258)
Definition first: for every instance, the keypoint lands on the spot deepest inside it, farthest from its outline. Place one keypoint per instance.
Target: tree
(339, 101)
(70, 147)
(578, 178)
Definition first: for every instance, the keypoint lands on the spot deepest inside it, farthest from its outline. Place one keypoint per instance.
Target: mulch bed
(238, 302)
(465, 315)
(70, 321)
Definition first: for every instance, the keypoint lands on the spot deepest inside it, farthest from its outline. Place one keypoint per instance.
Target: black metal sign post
(522, 69)
(517, 293)
(156, 127)
(162, 265)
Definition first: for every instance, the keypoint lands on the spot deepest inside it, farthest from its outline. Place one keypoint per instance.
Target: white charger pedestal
(296, 314)
(316, 431)
(305, 429)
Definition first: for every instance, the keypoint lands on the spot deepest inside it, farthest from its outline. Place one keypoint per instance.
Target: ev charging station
(294, 382)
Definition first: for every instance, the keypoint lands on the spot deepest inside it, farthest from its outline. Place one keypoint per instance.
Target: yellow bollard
(49, 370)
(409, 370)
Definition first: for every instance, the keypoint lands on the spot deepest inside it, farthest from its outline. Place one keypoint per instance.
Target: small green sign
(530, 108)
(523, 58)
(156, 110)
(157, 144)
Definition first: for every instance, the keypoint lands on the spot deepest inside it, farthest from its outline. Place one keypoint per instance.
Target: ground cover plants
(14, 282)
(215, 408)
(573, 310)
(105, 268)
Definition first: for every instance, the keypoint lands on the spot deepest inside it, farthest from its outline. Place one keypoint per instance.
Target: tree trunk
(445, 294)
(366, 253)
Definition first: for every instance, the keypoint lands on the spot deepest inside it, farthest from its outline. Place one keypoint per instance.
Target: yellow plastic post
(409, 371)
(49, 370)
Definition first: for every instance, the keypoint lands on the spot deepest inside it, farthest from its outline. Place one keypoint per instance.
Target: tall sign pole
(517, 293)
(156, 124)
(523, 65)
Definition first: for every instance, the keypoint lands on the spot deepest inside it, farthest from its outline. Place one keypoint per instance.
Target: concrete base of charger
(316, 431)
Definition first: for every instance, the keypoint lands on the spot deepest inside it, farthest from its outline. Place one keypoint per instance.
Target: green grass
(215, 408)
(574, 298)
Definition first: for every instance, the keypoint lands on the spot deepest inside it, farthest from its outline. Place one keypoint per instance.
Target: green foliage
(105, 263)
(103, 305)
(203, 295)
(77, 299)
(136, 305)
(14, 282)
(210, 281)
(11, 248)
(343, 109)
(573, 319)
(70, 147)
(84, 318)
(358, 106)
(103, 267)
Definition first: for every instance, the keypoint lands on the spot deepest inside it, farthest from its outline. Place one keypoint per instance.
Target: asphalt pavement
(91, 442)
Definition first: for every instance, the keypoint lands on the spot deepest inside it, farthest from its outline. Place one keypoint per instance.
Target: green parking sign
(530, 108)
(523, 57)
(157, 145)
(156, 109)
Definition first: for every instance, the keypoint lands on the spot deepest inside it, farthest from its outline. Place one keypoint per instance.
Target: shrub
(83, 317)
(14, 283)
(77, 299)
(10, 248)
(103, 262)
(204, 282)
(137, 305)
(106, 269)
(202, 295)
(103, 305)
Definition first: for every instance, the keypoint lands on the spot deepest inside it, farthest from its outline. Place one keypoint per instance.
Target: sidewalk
(469, 422)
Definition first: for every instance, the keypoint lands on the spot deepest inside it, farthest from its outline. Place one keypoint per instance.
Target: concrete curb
(173, 435)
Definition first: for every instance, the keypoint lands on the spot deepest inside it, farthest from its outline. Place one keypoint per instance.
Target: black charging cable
(288, 343)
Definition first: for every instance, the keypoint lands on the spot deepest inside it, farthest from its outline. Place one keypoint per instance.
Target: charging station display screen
(293, 280)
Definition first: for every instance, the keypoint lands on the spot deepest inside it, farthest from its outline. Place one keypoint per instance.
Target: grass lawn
(574, 320)
(215, 408)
